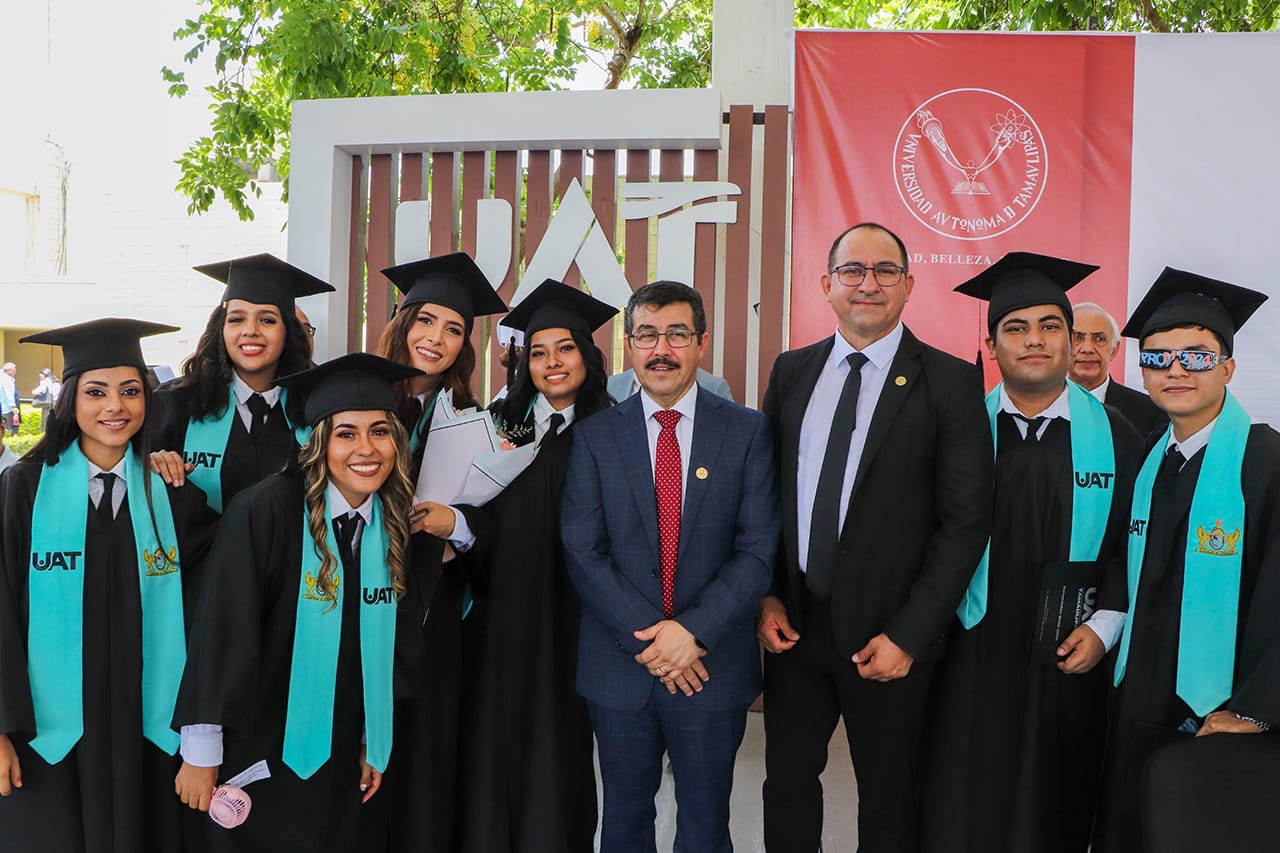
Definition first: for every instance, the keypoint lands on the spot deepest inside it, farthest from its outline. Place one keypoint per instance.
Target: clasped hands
(673, 656)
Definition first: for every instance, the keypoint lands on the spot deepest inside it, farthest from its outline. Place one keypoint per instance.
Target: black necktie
(106, 511)
(411, 411)
(1173, 462)
(1033, 426)
(557, 421)
(259, 408)
(345, 527)
(824, 525)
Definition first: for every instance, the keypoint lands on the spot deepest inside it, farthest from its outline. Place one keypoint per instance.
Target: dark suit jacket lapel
(794, 400)
(633, 446)
(906, 364)
(705, 452)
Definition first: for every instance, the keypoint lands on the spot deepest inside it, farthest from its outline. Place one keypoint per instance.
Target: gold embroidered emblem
(702, 473)
(312, 580)
(1217, 541)
(161, 562)
(900, 381)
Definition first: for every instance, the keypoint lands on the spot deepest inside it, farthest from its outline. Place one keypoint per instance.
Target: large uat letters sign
(1130, 152)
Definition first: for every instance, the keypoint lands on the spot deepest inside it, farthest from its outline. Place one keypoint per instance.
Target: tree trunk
(622, 54)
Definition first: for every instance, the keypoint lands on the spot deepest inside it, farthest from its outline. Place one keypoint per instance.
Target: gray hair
(1093, 306)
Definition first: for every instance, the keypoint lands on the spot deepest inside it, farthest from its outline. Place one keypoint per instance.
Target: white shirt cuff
(462, 538)
(1107, 624)
(202, 745)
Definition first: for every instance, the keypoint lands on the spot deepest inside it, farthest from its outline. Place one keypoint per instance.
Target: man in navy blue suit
(670, 527)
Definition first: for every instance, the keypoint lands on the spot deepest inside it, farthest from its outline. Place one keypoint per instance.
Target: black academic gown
(1016, 745)
(422, 777)
(1148, 711)
(113, 793)
(237, 676)
(245, 461)
(528, 781)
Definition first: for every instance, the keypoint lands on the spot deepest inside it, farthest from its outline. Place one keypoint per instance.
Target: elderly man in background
(1095, 340)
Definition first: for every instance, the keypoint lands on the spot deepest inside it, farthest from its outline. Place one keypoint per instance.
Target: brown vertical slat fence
(534, 181)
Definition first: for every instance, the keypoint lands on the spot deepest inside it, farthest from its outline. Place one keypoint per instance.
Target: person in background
(9, 404)
(45, 394)
(1095, 340)
(305, 322)
(100, 567)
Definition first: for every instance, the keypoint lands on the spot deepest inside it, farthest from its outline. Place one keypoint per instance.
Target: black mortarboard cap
(264, 280)
(1022, 279)
(453, 281)
(1179, 298)
(110, 342)
(359, 381)
(556, 305)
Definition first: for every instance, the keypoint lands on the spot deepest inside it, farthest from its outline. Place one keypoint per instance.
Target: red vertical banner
(975, 145)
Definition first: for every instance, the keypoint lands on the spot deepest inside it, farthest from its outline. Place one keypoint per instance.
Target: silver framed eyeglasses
(1194, 361)
(887, 274)
(648, 338)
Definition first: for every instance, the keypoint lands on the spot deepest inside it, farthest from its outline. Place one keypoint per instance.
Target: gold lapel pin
(702, 473)
(900, 381)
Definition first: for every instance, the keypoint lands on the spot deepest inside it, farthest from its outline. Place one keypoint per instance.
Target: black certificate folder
(1068, 596)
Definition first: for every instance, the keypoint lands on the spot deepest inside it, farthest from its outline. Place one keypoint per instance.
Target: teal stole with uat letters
(1214, 558)
(55, 589)
(1093, 466)
(317, 634)
(205, 446)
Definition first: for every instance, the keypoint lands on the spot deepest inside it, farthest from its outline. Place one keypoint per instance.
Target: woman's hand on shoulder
(169, 465)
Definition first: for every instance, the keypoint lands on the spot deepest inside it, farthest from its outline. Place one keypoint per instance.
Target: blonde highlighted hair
(397, 502)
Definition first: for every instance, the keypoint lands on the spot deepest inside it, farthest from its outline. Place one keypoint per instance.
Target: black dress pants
(806, 690)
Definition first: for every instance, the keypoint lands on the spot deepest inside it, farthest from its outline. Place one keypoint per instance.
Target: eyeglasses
(887, 274)
(311, 330)
(648, 339)
(1195, 361)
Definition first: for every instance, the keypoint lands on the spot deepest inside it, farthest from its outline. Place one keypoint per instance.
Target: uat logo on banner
(970, 164)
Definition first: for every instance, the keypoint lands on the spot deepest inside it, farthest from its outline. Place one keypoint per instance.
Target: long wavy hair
(62, 430)
(397, 502)
(394, 345)
(512, 410)
(207, 371)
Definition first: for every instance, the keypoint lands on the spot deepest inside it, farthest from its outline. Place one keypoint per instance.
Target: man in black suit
(1095, 340)
(886, 489)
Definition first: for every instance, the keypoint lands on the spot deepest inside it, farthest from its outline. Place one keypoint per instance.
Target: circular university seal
(970, 164)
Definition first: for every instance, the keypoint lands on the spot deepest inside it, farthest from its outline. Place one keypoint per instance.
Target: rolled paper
(230, 806)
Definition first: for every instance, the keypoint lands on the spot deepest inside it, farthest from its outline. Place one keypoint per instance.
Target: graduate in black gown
(432, 332)
(291, 659)
(1020, 702)
(1201, 653)
(528, 780)
(97, 554)
(222, 423)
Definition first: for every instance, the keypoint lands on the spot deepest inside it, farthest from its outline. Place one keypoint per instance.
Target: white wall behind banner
(1206, 183)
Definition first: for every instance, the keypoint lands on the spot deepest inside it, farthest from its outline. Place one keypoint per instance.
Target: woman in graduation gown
(432, 332)
(527, 781)
(292, 653)
(98, 576)
(223, 423)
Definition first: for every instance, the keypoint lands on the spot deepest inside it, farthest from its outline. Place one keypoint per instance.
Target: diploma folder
(1068, 597)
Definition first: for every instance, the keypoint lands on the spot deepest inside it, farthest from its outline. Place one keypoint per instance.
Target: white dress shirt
(816, 427)
(242, 392)
(201, 743)
(1101, 391)
(542, 412)
(1194, 442)
(117, 488)
(1107, 624)
(686, 406)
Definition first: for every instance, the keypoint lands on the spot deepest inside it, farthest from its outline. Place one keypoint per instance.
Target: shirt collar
(542, 411)
(685, 405)
(117, 469)
(243, 392)
(339, 507)
(1101, 391)
(1192, 445)
(1059, 408)
(880, 353)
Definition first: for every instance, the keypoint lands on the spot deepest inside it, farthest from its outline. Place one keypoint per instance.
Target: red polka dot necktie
(666, 478)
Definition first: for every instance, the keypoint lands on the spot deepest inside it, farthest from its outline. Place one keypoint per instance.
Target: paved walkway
(747, 822)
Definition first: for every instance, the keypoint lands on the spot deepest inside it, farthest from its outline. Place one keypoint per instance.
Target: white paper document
(452, 444)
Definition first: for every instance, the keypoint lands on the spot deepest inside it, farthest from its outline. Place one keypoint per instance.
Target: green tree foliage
(268, 53)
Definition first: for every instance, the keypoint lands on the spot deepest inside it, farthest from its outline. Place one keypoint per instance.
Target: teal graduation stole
(206, 446)
(1093, 484)
(1211, 577)
(308, 728)
(55, 631)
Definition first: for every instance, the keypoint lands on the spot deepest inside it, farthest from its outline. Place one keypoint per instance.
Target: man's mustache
(661, 361)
